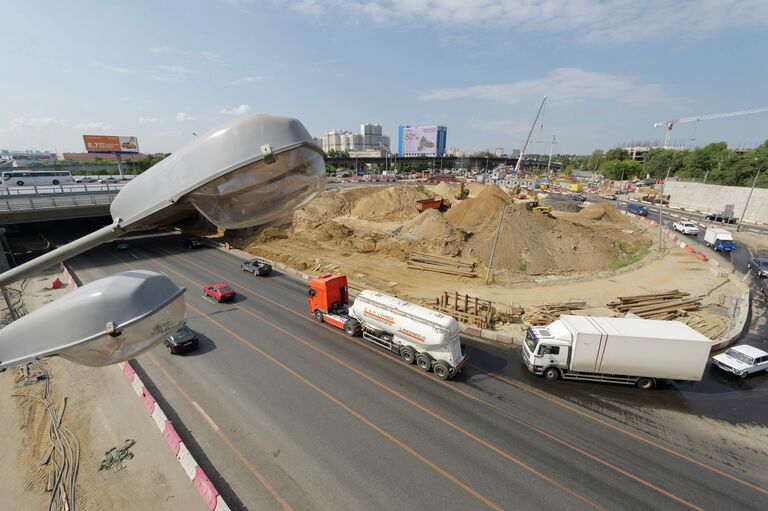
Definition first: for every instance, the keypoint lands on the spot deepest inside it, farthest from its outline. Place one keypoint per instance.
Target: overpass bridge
(446, 162)
(45, 203)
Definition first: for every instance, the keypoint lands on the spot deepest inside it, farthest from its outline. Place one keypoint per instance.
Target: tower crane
(669, 124)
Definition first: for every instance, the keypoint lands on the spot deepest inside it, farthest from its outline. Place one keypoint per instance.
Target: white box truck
(616, 350)
(424, 336)
(719, 239)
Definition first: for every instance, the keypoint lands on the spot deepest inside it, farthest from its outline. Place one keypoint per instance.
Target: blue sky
(163, 70)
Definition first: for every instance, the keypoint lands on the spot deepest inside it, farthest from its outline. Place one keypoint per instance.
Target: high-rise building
(370, 138)
(421, 141)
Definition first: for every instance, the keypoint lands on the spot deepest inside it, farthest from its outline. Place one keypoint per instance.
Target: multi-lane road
(288, 413)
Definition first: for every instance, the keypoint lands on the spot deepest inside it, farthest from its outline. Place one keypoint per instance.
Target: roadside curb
(202, 484)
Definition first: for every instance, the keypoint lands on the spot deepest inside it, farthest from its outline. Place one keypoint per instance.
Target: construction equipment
(670, 123)
(438, 203)
(417, 334)
(464, 193)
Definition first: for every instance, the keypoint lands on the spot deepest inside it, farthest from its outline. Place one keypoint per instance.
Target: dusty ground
(103, 411)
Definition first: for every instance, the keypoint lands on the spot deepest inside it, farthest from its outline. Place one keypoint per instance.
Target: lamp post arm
(62, 253)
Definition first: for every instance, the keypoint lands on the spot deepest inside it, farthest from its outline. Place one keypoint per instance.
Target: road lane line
(205, 416)
(251, 468)
(518, 386)
(405, 447)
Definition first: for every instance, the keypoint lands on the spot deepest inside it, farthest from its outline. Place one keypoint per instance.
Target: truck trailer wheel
(408, 355)
(442, 371)
(551, 373)
(645, 383)
(352, 327)
(423, 362)
(319, 315)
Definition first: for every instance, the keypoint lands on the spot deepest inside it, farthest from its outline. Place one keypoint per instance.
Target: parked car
(742, 360)
(685, 227)
(759, 265)
(108, 180)
(256, 266)
(637, 209)
(578, 197)
(221, 292)
(720, 217)
(182, 340)
(610, 196)
(85, 179)
(121, 246)
(188, 243)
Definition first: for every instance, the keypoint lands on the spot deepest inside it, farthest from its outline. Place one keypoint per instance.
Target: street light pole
(661, 221)
(754, 182)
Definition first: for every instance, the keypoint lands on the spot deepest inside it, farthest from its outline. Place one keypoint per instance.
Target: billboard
(110, 144)
(419, 140)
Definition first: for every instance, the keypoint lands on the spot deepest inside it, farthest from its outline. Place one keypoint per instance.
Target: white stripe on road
(205, 416)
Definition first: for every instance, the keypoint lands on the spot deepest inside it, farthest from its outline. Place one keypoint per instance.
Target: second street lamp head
(246, 172)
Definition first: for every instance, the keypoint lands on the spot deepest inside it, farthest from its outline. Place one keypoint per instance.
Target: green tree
(594, 161)
(615, 169)
(617, 153)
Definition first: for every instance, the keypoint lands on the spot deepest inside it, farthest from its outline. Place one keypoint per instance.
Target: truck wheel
(645, 383)
(408, 355)
(352, 327)
(423, 362)
(551, 373)
(319, 315)
(442, 371)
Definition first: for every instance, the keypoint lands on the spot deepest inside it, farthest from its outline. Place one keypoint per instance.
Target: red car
(220, 292)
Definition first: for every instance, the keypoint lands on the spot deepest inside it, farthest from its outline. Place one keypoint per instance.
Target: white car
(85, 179)
(685, 227)
(108, 180)
(742, 360)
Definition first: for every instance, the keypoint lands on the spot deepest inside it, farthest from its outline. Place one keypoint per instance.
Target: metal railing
(59, 189)
(64, 201)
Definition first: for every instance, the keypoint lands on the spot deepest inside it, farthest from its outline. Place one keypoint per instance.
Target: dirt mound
(469, 213)
(475, 189)
(391, 203)
(446, 190)
(431, 232)
(602, 211)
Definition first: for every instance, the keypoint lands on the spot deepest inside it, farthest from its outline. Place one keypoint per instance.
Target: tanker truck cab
(544, 354)
(418, 335)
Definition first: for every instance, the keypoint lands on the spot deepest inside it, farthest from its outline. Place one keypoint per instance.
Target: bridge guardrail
(59, 189)
(65, 201)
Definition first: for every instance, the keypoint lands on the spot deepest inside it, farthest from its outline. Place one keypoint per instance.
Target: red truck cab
(327, 293)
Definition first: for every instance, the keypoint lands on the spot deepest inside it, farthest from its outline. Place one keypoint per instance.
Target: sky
(164, 70)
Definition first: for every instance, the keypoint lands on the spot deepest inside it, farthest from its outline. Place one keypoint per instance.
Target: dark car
(578, 197)
(760, 266)
(221, 292)
(183, 339)
(121, 245)
(188, 243)
(256, 266)
(719, 217)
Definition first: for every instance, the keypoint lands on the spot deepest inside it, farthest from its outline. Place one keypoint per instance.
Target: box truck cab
(418, 335)
(719, 239)
(637, 209)
(616, 350)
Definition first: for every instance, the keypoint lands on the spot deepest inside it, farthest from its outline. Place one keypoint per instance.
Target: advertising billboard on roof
(110, 144)
(420, 140)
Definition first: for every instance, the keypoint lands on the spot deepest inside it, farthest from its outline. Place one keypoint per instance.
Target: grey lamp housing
(104, 322)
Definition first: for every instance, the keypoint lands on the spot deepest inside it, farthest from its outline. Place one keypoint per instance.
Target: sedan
(188, 243)
(578, 197)
(256, 266)
(182, 340)
(610, 197)
(221, 292)
(108, 180)
(85, 179)
(742, 360)
(759, 265)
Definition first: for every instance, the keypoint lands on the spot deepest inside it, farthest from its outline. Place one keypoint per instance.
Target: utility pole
(754, 182)
(661, 201)
(495, 240)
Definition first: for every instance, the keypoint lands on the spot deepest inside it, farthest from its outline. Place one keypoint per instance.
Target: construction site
(493, 259)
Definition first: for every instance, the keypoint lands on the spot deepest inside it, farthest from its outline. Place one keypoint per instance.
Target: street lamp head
(247, 172)
(104, 322)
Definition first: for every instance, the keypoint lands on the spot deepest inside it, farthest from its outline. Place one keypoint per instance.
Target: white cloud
(148, 120)
(247, 79)
(177, 69)
(18, 123)
(184, 116)
(562, 85)
(92, 126)
(209, 55)
(597, 21)
(161, 49)
(238, 110)
(114, 69)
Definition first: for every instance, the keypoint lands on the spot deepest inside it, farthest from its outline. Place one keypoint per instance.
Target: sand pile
(602, 211)
(431, 232)
(469, 213)
(446, 190)
(391, 203)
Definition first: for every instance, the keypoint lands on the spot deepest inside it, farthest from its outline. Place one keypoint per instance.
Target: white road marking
(205, 416)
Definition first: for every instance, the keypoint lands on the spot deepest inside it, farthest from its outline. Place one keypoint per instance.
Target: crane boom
(670, 123)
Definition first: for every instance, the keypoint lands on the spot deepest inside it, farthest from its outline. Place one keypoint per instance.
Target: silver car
(742, 360)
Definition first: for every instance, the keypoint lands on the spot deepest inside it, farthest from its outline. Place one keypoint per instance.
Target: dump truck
(627, 351)
(418, 335)
(438, 203)
(719, 240)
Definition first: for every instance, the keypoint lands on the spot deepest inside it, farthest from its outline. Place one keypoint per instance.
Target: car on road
(578, 197)
(610, 196)
(742, 360)
(719, 217)
(685, 227)
(182, 340)
(190, 243)
(221, 292)
(759, 265)
(256, 266)
(85, 179)
(121, 246)
(108, 180)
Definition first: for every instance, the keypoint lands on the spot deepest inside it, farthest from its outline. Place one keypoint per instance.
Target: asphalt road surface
(288, 413)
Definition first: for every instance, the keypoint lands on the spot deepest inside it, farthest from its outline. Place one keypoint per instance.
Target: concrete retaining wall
(713, 198)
